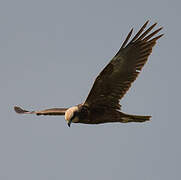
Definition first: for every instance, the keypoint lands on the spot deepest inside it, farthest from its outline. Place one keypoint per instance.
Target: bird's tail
(125, 118)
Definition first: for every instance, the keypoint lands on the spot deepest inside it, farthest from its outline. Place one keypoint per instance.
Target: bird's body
(102, 104)
(82, 114)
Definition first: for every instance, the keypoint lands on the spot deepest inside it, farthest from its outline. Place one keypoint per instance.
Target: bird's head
(71, 115)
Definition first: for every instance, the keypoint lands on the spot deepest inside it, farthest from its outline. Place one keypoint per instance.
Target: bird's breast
(75, 119)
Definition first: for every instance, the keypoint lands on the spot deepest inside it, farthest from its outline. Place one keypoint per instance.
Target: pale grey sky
(50, 54)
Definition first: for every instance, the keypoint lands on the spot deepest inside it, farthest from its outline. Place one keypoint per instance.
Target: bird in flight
(102, 103)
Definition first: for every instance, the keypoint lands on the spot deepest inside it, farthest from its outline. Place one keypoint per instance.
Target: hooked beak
(69, 123)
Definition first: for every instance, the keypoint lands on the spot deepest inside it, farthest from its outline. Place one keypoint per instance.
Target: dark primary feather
(116, 78)
(52, 111)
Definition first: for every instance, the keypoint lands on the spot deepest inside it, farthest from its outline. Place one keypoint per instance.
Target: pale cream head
(70, 113)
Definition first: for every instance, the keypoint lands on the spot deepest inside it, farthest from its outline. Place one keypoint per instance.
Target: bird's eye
(84, 109)
(83, 112)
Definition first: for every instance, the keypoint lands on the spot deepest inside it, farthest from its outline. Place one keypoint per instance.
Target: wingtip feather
(20, 110)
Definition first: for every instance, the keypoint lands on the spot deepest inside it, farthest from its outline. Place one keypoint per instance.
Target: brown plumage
(52, 111)
(102, 104)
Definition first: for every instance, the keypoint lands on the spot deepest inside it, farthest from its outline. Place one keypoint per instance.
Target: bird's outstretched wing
(53, 111)
(116, 78)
